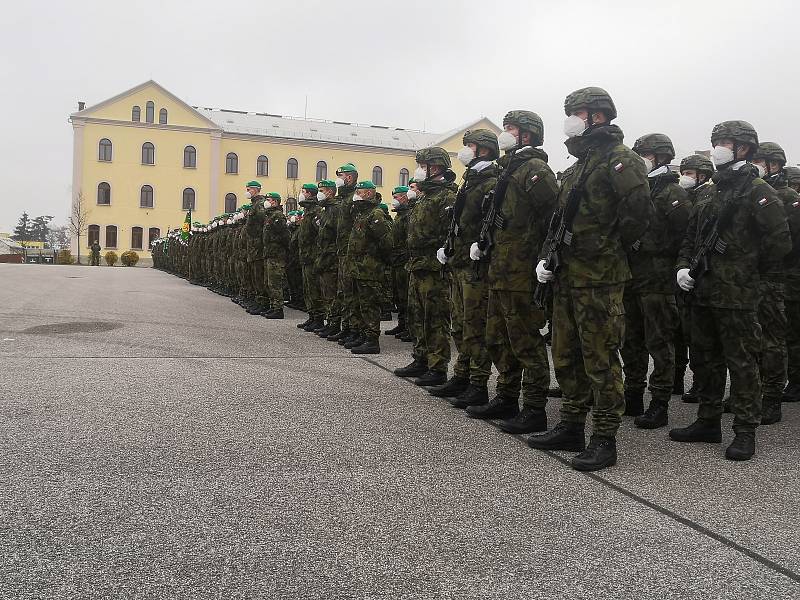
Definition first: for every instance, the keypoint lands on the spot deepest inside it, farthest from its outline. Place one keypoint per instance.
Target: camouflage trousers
(294, 281)
(243, 276)
(724, 338)
(275, 281)
(367, 316)
(588, 329)
(429, 318)
(517, 348)
(650, 324)
(327, 288)
(95, 259)
(387, 287)
(259, 281)
(469, 300)
(772, 318)
(793, 341)
(683, 332)
(400, 281)
(312, 292)
(342, 307)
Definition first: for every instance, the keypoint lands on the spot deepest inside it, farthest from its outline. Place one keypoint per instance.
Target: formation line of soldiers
(628, 259)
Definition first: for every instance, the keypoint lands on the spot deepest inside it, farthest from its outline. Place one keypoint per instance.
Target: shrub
(64, 257)
(129, 258)
(111, 258)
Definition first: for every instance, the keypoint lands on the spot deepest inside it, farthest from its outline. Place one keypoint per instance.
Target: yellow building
(144, 157)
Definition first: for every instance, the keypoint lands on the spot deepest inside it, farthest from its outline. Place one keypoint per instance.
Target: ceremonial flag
(187, 224)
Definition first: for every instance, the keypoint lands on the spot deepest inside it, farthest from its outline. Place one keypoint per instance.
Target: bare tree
(58, 237)
(79, 220)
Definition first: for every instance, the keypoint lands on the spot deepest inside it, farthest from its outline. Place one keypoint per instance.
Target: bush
(129, 258)
(64, 257)
(111, 258)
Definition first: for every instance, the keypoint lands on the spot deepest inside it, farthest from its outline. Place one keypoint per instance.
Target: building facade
(144, 157)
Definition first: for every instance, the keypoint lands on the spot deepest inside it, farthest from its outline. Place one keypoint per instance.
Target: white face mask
(321, 196)
(411, 194)
(506, 141)
(686, 182)
(648, 164)
(248, 195)
(339, 182)
(357, 198)
(720, 155)
(395, 202)
(420, 174)
(574, 126)
(466, 155)
(761, 170)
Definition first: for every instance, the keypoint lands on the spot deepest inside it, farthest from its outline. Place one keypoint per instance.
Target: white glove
(440, 256)
(475, 252)
(685, 282)
(542, 274)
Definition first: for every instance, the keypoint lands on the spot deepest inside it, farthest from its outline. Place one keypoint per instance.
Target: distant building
(144, 157)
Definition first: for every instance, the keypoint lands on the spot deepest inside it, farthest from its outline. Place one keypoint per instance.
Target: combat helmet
(770, 151)
(792, 175)
(741, 132)
(593, 99)
(483, 138)
(526, 121)
(433, 156)
(654, 143)
(697, 162)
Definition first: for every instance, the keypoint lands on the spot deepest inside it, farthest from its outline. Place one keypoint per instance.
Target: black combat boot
(317, 322)
(599, 454)
(702, 430)
(792, 392)
(346, 339)
(554, 392)
(770, 411)
(430, 378)
(355, 340)
(690, 397)
(529, 420)
(331, 332)
(406, 337)
(305, 323)
(474, 395)
(322, 325)
(654, 417)
(634, 403)
(256, 309)
(726, 405)
(499, 407)
(276, 313)
(414, 369)
(450, 388)
(340, 335)
(564, 436)
(370, 346)
(678, 382)
(743, 446)
(401, 326)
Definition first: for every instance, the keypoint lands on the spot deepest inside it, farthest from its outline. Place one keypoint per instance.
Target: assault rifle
(453, 230)
(711, 240)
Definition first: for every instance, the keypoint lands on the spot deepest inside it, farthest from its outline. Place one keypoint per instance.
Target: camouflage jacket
(790, 269)
(326, 237)
(275, 234)
(370, 245)
(307, 235)
(344, 218)
(474, 187)
(528, 205)
(400, 234)
(293, 249)
(757, 233)
(427, 224)
(614, 209)
(652, 258)
(254, 225)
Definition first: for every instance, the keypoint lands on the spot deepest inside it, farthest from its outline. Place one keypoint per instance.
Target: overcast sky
(677, 68)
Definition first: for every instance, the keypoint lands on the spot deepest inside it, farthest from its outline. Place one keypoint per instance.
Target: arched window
(103, 193)
(137, 233)
(291, 204)
(230, 203)
(146, 197)
(149, 111)
(111, 236)
(377, 176)
(403, 176)
(322, 170)
(162, 116)
(148, 154)
(262, 166)
(93, 235)
(188, 199)
(136, 114)
(104, 150)
(152, 235)
(190, 157)
(291, 168)
(231, 163)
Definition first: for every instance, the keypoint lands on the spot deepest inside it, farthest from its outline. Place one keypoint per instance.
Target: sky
(676, 67)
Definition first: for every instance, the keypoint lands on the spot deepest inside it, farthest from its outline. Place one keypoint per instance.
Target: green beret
(245, 207)
(400, 189)
(310, 186)
(347, 168)
(274, 196)
(365, 185)
(412, 180)
(254, 184)
(328, 183)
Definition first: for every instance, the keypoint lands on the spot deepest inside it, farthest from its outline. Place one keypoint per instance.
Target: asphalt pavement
(158, 442)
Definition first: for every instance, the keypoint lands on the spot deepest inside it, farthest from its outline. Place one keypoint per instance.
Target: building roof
(9, 246)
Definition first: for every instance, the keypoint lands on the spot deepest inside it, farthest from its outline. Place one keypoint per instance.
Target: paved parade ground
(158, 442)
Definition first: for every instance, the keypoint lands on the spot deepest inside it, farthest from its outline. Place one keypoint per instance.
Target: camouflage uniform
(344, 303)
(276, 243)
(255, 252)
(792, 273)
(307, 239)
(399, 260)
(294, 270)
(326, 263)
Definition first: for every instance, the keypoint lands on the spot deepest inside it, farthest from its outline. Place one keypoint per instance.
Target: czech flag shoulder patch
(619, 167)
